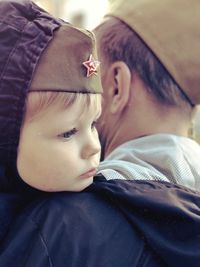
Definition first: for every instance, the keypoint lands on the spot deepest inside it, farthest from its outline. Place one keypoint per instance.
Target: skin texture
(58, 146)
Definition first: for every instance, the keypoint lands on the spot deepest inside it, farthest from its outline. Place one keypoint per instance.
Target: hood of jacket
(25, 31)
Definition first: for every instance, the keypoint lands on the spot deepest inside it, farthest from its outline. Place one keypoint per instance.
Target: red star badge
(91, 66)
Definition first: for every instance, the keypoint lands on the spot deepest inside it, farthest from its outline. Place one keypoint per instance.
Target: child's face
(59, 150)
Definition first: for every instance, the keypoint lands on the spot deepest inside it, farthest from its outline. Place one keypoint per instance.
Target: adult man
(112, 223)
(150, 53)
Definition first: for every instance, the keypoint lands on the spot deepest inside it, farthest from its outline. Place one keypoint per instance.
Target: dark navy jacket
(112, 223)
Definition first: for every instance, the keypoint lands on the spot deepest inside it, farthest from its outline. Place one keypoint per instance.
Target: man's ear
(119, 77)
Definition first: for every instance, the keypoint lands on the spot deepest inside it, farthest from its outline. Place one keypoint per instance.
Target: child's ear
(119, 86)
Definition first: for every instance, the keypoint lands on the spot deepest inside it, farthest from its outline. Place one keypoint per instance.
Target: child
(50, 101)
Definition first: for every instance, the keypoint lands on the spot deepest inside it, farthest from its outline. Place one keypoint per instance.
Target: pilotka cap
(171, 28)
(69, 63)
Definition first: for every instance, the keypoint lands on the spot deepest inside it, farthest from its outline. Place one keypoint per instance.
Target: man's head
(150, 69)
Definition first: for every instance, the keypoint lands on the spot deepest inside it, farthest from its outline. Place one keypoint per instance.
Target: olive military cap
(171, 28)
(69, 63)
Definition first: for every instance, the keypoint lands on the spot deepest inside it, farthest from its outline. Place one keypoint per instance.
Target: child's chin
(78, 187)
(83, 185)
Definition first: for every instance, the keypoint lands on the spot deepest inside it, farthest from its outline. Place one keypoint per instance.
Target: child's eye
(69, 134)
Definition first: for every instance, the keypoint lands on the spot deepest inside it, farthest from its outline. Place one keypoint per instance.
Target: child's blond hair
(41, 101)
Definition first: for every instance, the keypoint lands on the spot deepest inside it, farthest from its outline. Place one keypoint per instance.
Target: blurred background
(81, 13)
(87, 14)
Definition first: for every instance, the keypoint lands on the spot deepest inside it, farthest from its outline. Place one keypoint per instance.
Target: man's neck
(135, 126)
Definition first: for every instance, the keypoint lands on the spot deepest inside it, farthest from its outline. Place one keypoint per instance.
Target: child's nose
(91, 147)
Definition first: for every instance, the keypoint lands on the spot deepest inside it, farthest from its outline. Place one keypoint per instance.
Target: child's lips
(89, 173)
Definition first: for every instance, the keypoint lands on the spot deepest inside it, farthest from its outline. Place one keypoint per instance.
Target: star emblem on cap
(91, 66)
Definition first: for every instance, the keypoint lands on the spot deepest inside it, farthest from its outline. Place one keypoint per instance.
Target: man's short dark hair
(119, 42)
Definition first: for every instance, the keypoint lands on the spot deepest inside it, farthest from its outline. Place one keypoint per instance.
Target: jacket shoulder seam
(42, 240)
